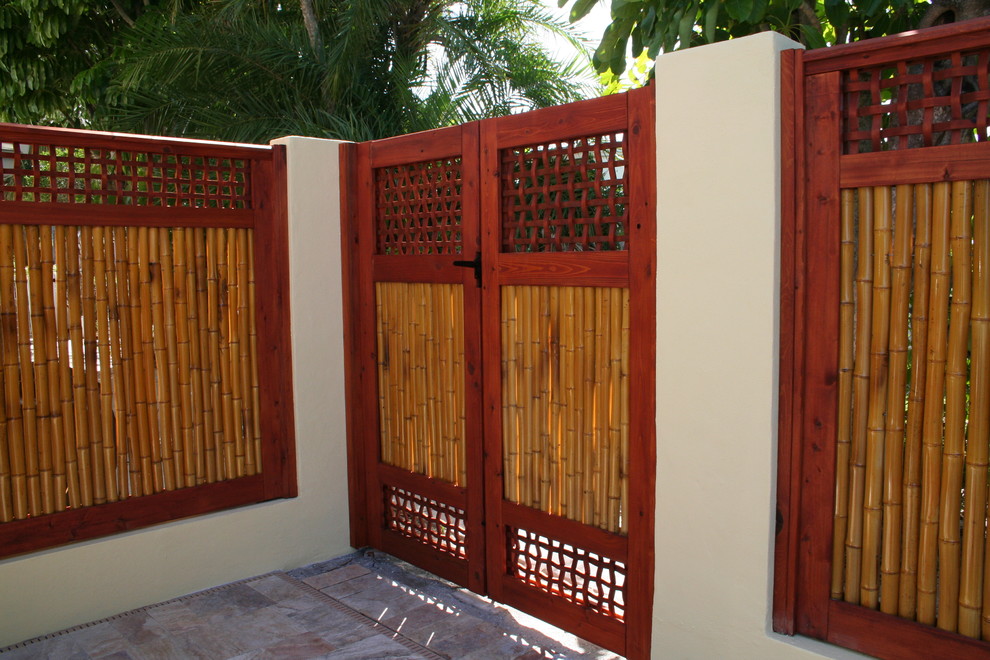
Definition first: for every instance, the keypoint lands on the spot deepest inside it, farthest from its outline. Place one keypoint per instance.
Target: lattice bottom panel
(574, 574)
(438, 525)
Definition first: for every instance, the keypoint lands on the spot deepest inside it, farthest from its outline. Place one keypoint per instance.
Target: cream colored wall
(48, 591)
(718, 125)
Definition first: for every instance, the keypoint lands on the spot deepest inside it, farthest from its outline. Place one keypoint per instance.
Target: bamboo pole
(934, 397)
(157, 365)
(510, 420)
(40, 366)
(589, 423)
(554, 399)
(150, 477)
(74, 477)
(602, 300)
(29, 399)
(12, 377)
(50, 340)
(170, 377)
(91, 364)
(861, 390)
(6, 492)
(956, 375)
(448, 408)
(229, 328)
(150, 308)
(199, 335)
(78, 375)
(880, 336)
(101, 330)
(429, 404)
(615, 405)
(568, 402)
(181, 294)
(138, 473)
(231, 452)
(847, 310)
(123, 416)
(972, 594)
(240, 367)
(900, 266)
(907, 600)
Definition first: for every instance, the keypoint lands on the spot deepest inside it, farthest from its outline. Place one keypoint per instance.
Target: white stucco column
(718, 199)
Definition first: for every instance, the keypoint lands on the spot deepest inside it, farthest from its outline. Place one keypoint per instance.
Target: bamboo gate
(886, 392)
(501, 320)
(142, 283)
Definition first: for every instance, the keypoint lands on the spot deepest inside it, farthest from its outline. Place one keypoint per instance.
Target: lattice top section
(53, 173)
(933, 101)
(565, 196)
(418, 207)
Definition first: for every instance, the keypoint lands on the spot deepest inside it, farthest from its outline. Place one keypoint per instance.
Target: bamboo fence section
(420, 331)
(127, 363)
(913, 439)
(565, 401)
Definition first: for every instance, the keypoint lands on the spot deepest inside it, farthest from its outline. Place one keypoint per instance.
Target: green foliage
(248, 70)
(655, 26)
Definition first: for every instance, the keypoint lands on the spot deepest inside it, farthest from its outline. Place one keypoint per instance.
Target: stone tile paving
(363, 606)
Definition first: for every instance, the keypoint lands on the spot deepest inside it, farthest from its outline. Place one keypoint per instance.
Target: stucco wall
(48, 591)
(718, 127)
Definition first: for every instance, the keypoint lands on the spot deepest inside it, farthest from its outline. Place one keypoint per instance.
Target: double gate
(500, 335)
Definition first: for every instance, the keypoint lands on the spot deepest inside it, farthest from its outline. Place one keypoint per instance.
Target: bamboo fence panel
(913, 438)
(565, 372)
(114, 365)
(420, 339)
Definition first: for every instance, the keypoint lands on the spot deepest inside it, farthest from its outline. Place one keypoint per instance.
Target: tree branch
(312, 27)
(123, 13)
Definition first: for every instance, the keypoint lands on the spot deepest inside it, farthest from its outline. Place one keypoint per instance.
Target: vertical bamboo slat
(12, 379)
(861, 394)
(66, 392)
(29, 400)
(907, 601)
(101, 248)
(972, 598)
(880, 336)
(845, 389)
(59, 474)
(900, 266)
(934, 406)
(40, 360)
(956, 375)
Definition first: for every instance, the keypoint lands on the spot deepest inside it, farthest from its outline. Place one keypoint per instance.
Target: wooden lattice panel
(574, 574)
(63, 173)
(914, 103)
(436, 524)
(565, 196)
(418, 207)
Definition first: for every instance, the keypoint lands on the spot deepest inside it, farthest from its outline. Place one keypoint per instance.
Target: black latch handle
(475, 264)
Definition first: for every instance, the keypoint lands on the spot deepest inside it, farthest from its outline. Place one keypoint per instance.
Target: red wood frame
(268, 217)
(479, 145)
(813, 175)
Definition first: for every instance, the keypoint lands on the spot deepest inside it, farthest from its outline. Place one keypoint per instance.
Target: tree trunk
(312, 27)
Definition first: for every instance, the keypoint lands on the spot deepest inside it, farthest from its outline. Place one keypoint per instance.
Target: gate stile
(553, 511)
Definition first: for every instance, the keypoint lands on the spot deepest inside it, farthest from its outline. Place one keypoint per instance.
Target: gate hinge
(475, 264)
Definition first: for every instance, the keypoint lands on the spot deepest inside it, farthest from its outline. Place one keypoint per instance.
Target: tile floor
(363, 606)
